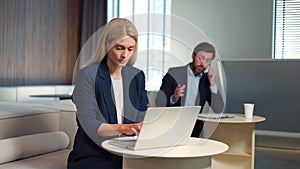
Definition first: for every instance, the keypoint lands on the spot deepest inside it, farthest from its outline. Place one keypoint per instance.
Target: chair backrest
(151, 97)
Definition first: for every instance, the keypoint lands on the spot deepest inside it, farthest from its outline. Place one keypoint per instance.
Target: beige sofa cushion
(26, 146)
(55, 160)
(19, 120)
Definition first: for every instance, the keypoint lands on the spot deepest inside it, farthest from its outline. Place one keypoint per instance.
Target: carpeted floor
(273, 158)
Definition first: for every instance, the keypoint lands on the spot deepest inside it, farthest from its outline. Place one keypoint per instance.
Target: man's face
(201, 61)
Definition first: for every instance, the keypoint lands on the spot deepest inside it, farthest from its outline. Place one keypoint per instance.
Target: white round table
(196, 154)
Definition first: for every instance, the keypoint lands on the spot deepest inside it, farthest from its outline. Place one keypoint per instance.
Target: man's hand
(179, 91)
(212, 74)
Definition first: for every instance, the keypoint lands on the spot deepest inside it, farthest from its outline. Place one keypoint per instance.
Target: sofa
(36, 135)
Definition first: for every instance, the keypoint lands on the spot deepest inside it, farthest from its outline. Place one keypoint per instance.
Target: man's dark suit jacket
(178, 75)
(94, 100)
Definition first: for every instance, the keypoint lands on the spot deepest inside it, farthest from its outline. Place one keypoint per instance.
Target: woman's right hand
(119, 129)
(130, 129)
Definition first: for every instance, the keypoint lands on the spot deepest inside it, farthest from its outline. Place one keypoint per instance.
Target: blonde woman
(110, 97)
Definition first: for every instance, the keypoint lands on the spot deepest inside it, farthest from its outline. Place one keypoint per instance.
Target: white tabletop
(196, 147)
(235, 118)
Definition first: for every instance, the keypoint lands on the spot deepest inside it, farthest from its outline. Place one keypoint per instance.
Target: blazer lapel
(105, 86)
(182, 80)
(127, 75)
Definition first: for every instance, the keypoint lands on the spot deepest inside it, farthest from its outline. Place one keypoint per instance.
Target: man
(189, 85)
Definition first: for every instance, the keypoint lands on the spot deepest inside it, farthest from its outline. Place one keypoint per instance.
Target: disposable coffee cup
(248, 110)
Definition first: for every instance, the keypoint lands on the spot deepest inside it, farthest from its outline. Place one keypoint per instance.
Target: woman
(110, 97)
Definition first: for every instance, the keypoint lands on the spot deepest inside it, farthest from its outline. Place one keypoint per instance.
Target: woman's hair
(114, 31)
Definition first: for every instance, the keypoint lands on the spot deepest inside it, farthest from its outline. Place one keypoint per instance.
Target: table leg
(239, 137)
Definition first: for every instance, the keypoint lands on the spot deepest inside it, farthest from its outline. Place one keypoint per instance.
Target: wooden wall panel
(39, 41)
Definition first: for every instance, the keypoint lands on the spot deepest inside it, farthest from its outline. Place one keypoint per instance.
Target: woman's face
(120, 53)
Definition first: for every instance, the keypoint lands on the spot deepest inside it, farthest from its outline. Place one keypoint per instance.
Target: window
(152, 46)
(287, 29)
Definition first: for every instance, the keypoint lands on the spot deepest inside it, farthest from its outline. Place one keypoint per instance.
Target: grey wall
(242, 33)
(274, 87)
(238, 28)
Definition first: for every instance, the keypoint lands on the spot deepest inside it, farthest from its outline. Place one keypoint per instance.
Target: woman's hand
(118, 129)
(130, 129)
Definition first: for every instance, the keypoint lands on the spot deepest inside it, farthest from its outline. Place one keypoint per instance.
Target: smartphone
(206, 70)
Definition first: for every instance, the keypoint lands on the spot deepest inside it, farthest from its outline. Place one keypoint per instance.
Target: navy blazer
(178, 75)
(94, 100)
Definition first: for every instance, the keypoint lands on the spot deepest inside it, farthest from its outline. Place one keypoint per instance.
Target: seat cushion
(55, 160)
(31, 145)
(19, 120)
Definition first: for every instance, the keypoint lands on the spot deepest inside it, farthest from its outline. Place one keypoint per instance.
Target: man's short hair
(206, 47)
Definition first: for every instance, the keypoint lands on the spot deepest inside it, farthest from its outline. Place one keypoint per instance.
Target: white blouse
(118, 93)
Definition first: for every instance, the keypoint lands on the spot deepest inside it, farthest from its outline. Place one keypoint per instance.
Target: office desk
(239, 134)
(196, 154)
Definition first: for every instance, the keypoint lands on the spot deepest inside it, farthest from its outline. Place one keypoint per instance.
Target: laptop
(162, 127)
